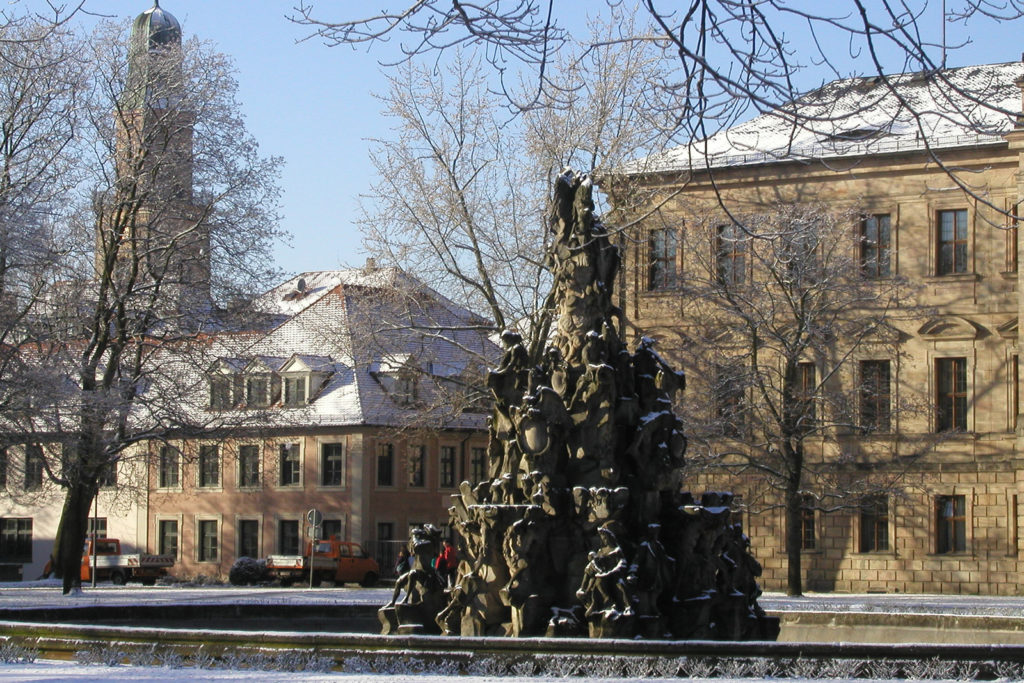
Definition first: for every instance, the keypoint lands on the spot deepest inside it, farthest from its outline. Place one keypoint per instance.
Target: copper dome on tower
(157, 27)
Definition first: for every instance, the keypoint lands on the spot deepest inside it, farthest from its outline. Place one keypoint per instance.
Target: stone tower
(152, 211)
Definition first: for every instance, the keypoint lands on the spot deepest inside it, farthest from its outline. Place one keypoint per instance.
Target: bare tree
(40, 86)
(460, 198)
(725, 61)
(774, 322)
(174, 217)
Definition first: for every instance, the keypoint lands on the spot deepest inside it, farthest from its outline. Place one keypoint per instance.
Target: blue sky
(313, 106)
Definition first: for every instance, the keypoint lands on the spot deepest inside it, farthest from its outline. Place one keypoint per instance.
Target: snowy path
(47, 594)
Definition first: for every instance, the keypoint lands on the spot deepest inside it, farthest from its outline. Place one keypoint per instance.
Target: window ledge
(953, 278)
(958, 554)
(957, 435)
(1008, 274)
(210, 489)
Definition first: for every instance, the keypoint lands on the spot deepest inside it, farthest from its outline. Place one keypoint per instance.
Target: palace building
(924, 174)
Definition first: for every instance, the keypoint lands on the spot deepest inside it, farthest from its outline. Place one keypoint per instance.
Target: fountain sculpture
(581, 528)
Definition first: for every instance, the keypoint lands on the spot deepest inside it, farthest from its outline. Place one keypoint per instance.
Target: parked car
(333, 560)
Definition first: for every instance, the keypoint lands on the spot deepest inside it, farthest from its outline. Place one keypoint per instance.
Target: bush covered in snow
(247, 571)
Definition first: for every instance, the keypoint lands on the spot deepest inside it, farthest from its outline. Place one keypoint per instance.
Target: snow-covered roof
(344, 325)
(347, 321)
(947, 109)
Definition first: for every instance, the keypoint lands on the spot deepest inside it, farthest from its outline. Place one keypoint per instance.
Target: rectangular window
(98, 526)
(807, 388)
(208, 546)
(875, 395)
(249, 538)
(876, 246)
(1011, 244)
(448, 473)
(731, 254)
(1014, 391)
(331, 528)
(662, 246)
(170, 467)
(385, 531)
(952, 242)
(295, 391)
(16, 540)
(478, 464)
(257, 391)
(33, 467)
(951, 394)
(209, 466)
(728, 400)
(951, 524)
(808, 538)
(220, 392)
(1013, 526)
(289, 464)
(332, 464)
(248, 466)
(874, 525)
(288, 537)
(385, 464)
(167, 537)
(417, 466)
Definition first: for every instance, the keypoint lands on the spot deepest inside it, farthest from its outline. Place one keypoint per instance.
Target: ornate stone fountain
(581, 527)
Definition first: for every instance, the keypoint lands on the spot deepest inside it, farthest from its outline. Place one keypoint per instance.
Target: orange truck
(334, 560)
(120, 569)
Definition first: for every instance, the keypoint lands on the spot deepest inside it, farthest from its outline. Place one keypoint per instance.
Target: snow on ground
(47, 593)
(62, 671)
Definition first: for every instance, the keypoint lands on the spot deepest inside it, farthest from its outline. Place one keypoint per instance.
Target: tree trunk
(71, 532)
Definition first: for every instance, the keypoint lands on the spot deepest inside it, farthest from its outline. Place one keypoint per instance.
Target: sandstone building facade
(929, 199)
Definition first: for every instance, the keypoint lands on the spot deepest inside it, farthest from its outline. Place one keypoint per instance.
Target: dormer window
(257, 391)
(225, 392)
(302, 377)
(220, 392)
(399, 376)
(406, 388)
(295, 391)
